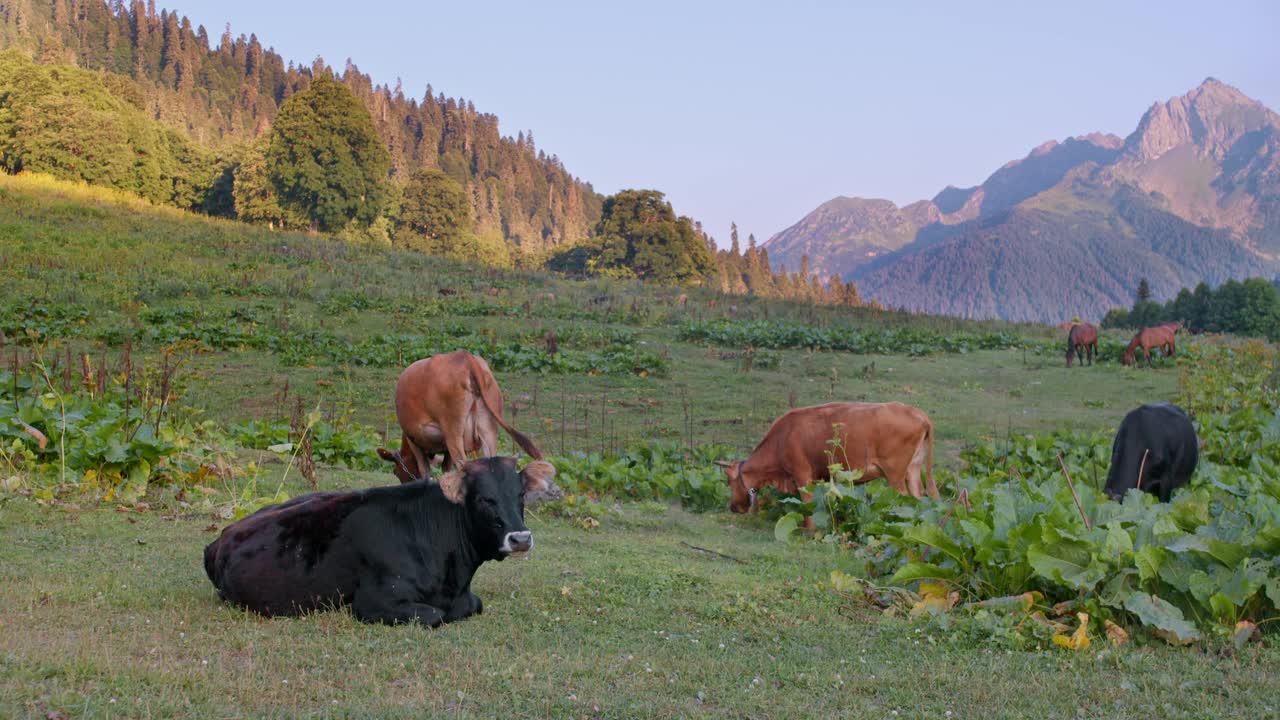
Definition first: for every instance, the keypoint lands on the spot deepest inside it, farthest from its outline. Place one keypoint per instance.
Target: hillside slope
(1031, 264)
(228, 91)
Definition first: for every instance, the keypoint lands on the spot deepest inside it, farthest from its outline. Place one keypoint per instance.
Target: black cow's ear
(537, 474)
(454, 486)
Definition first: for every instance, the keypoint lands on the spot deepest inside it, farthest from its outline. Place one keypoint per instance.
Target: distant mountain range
(1192, 194)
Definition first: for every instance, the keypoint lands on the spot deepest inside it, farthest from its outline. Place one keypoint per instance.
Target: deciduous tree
(325, 160)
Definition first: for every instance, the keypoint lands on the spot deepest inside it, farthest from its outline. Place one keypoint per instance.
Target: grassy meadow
(105, 610)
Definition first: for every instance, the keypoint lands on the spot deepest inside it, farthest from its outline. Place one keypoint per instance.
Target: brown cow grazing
(405, 463)
(884, 440)
(1160, 336)
(449, 404)
(1082, 339)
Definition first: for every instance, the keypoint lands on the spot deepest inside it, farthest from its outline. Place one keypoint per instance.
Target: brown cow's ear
(454, 486)
(537, 474)
(388, 455)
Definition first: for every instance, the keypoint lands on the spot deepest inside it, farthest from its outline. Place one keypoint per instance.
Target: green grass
(103, 616)
(625, 620)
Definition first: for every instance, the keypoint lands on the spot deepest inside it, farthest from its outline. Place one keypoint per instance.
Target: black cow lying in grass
(1155, 451)
(404, 553)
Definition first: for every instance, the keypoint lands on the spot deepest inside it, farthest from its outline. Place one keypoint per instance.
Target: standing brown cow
(448, 404)
(884, 440)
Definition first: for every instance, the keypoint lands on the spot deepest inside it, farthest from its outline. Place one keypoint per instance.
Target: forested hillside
(1039, 263)
(137, 100)
(225, 91)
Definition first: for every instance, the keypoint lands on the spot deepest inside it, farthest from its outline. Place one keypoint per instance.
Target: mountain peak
(1210, 118)
(1188, 196)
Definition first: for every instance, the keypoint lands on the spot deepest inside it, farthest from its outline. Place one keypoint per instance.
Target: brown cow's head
(405, 466)
(740, 497)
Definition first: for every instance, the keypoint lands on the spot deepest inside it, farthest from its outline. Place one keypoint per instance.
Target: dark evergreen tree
(1202, 299)
(1144, 291)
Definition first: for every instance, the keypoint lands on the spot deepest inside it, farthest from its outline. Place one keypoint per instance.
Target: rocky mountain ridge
(1202, 168)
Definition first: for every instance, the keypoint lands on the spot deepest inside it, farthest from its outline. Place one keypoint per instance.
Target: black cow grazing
(1156, 450)
(404, 553)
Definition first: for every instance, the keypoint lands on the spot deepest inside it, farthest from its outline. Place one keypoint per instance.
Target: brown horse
(1082, 339)
(1160, 336)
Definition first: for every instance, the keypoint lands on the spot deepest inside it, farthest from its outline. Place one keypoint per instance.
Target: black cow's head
(492, 491)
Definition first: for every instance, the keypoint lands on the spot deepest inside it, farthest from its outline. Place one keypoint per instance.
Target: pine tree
(1144, 291)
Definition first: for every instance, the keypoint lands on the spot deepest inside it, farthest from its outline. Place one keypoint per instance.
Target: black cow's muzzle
(516, 542)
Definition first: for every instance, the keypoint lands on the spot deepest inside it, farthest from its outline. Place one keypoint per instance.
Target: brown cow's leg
(456, 443)
(912, 479)
(803, 480)
(808, 520)
(424, 466)
(487, 435)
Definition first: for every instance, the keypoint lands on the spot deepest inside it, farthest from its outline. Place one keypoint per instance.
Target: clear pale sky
(758, 112)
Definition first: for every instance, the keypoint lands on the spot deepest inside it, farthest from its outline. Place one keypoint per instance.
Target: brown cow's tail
(490, 402)
(930, 486)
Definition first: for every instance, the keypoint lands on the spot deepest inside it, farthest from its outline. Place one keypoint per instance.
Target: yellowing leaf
(1079, 640)
(1116, 635)
(1066, 607)
(1244, 632)
(1057, 627)
(934, 598)
(937, 590)
(842, 582)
